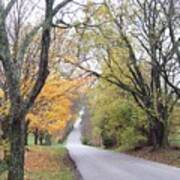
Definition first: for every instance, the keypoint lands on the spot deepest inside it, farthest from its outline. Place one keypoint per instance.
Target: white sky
(38, 12)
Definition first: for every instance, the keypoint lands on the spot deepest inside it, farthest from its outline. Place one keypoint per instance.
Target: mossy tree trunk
(17, 144)
(159, 131)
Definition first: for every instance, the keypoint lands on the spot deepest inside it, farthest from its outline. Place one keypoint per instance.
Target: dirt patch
(170, 156)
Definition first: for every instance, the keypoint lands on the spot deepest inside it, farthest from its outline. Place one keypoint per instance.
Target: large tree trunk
(16, 167)
(158, 136)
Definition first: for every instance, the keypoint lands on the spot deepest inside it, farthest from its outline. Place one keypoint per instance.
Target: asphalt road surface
(98, 164)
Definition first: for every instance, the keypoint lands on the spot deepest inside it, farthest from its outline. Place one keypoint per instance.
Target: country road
(98, 164)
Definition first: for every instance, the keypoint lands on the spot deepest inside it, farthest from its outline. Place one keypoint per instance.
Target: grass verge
(46, 163)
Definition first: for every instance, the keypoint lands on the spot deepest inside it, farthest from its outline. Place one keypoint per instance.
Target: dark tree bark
(41, 138)
(157, 137)
(36, 136)
(16, 167)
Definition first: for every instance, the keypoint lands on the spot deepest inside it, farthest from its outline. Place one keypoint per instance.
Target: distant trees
(53, 108)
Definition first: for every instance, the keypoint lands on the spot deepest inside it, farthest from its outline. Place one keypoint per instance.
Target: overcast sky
(33, 16)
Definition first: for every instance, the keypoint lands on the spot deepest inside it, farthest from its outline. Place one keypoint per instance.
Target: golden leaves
(53, 107)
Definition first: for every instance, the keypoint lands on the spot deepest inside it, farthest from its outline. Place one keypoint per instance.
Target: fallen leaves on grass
(41, 160)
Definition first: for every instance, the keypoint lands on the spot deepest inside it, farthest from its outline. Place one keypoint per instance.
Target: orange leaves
(53, 107)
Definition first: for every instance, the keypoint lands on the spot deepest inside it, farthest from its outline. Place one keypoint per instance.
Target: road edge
(77, 173)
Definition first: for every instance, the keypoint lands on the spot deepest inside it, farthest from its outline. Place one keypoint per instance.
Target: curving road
(98, 164)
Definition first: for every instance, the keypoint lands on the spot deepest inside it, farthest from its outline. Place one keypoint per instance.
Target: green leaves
(115, 116)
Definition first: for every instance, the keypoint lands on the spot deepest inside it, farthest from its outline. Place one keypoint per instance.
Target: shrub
(85, 140)
(130, 138)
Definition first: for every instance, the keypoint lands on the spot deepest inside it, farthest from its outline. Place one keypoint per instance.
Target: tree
(52, 110)
(116, 118)
(169, 45)
(12, 57)
(130, 41)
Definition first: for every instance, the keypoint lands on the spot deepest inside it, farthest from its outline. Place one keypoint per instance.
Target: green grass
(44, 175)
(30, 139)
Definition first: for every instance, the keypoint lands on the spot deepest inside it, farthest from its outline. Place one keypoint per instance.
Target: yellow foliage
(53, 107)
(1, 93)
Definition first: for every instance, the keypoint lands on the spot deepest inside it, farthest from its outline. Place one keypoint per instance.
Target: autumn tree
(12, 53)
(53, 108)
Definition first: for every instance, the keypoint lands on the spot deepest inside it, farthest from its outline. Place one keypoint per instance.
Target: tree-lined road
(98, 164)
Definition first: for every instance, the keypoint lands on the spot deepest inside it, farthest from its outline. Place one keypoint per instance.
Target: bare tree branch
(9, 7)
